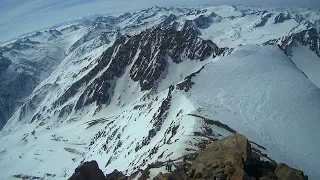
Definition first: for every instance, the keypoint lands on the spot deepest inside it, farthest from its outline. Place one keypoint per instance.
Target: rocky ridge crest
(230, 158)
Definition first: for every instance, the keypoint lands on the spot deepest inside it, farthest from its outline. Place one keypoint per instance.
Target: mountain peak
(162, 83)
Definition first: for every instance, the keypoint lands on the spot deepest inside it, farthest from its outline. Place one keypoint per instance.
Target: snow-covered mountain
(155, 84)
(28, 61)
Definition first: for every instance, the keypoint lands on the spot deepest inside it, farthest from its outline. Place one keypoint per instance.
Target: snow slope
(27, 62)
(158, 83)
(111, 136)
(307, 61)
(260, 92)
(244, 30)
(113, 142)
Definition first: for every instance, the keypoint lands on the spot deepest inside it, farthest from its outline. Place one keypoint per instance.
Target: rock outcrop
(230, 158)
(170, 176)
(222, 159)
(88, 171)
(233, 158)
(116, 175)
(284, 172)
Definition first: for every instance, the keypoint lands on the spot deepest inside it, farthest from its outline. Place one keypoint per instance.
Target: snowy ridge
(274, 103)
(159, 83)
(306, 57)
(28, 61)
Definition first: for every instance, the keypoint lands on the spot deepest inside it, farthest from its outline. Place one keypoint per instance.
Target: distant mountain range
(132, 89)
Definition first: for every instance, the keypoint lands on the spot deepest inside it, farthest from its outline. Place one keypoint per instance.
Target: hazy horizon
(23, 16)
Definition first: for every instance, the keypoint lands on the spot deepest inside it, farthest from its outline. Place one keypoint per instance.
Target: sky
(21, 16)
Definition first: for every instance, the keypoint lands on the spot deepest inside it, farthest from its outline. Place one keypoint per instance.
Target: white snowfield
(307, 61)
(243, 30)
(259, 91)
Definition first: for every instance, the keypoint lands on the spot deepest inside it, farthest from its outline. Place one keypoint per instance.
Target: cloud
(20, 16)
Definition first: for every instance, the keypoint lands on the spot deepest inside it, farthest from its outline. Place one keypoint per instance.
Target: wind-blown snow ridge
(275, 104)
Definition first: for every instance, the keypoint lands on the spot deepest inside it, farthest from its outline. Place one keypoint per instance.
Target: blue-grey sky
(21, 16)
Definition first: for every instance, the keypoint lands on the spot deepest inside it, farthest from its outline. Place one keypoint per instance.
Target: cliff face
(231, 158)
(146, 54)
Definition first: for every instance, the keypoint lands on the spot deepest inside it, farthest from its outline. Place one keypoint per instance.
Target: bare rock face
(175, 175)
(166, 176)
(148, 54)
(284, 172)
(240, 175)
(282, 17)
(116, 175)
(222, 158)
(88, 171)
(230, 158)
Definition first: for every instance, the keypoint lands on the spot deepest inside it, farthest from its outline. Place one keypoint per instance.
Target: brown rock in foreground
(230, 158)
(166, 176)
(88, 171)
(240, 175)
(176, 175)
(222, 158)
(284, 172)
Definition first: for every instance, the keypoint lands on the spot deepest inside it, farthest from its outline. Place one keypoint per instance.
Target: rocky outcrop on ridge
(231, 158)
(88, 171)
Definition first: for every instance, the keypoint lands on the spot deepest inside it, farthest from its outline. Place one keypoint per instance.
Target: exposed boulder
(222, 158)
(88, 171)
(171, 176)
(240, 175)
(230, 158)
(284, 172)
(233, 158)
